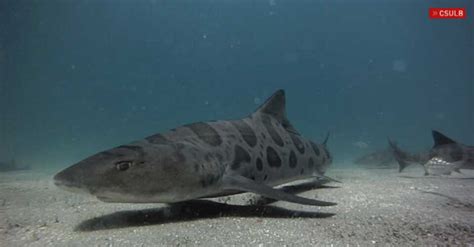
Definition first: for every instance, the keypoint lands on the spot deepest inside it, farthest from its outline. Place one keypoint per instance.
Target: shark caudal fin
(400, 156)
(275, 106)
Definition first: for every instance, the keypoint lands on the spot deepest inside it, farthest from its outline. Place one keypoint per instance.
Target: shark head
(137, 172)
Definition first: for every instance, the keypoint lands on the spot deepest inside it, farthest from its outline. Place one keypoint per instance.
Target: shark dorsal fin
(440, 139)
(275, 106)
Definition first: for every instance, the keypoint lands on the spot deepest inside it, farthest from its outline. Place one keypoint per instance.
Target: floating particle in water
(257, 100)
(440, 115)
(272, 2)
(399, 65)
(204, 36)
(291, 57)
(206, 102)
(361, 144)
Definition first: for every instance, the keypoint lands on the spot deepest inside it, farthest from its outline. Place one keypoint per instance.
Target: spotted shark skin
(205, 159)
(443, 158)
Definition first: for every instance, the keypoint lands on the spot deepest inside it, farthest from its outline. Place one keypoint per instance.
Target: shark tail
(403, 158)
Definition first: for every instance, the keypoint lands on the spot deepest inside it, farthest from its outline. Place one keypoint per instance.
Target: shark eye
(123, 165)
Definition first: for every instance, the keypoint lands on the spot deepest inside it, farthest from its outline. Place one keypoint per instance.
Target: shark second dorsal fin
(275, 106)
(440, 139)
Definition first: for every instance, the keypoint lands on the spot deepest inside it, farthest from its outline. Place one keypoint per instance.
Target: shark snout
(68, 178)
(63, 179)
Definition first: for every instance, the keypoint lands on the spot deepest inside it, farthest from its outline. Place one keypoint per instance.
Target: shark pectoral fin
(248, 185)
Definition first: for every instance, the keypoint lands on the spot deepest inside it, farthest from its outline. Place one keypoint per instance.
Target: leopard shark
(204, 160)
(443, 158)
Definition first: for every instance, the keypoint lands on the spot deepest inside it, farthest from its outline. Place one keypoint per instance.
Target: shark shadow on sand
(189, 211)
(453, 201)
(203, 209)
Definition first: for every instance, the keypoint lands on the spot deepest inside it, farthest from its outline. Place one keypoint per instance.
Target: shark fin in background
(244, 184)
(440, 139)
(400, 156)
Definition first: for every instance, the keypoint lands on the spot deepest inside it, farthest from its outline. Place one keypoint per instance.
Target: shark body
(443, 158)
(205, 159)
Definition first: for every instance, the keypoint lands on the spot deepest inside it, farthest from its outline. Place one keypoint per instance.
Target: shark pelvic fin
(440, 139)
(244, 184)
(275, 106)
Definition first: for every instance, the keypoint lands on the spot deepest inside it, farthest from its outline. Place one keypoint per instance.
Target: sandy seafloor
(375, 207)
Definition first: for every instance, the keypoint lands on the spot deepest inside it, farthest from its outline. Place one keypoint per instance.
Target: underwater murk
(236, 123)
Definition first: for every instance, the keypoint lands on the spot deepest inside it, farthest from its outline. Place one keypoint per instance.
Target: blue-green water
(81, 76)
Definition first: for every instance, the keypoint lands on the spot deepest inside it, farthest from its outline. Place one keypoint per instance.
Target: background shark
(12, 166)
(444, 157)
(382, 158)
(205, 159)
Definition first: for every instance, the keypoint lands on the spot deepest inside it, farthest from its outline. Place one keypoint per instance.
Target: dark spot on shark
(246, 132)
(310, 163)
(293, 159)
(157, 139)
(240, 156)
(208, 179)
(196, 167)
(302, 171)
(206, 133)
(315, 148)
(259, 164)
(252, 177)
(208, 157)
(264, 136)
(272, 158)
(266, 120)
(265, 177)
(297, 142)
